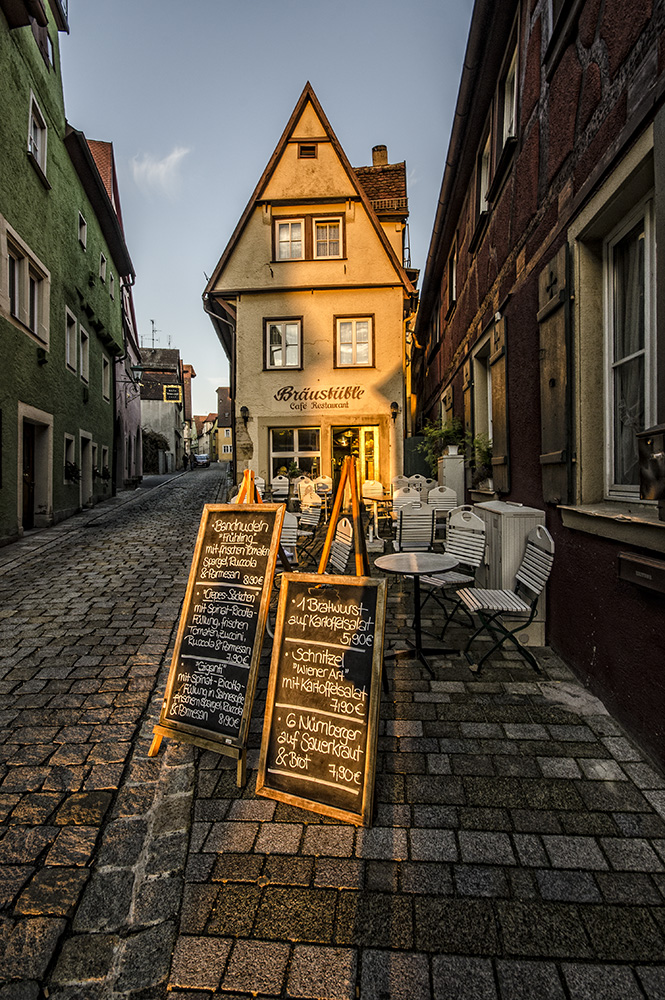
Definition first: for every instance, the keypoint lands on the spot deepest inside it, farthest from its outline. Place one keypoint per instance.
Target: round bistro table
(415, 565)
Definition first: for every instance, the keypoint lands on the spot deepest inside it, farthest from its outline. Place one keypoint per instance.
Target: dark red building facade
(542, 316)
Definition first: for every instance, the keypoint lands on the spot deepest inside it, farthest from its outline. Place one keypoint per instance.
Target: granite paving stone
(517, 844)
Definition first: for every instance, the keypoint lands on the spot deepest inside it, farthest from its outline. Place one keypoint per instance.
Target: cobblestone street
(517, 849)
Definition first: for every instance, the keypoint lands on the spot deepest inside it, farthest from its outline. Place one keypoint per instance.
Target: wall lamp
(244, 413)
(394, 410)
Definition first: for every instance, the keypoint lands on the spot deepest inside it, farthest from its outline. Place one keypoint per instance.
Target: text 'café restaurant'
(309, 301)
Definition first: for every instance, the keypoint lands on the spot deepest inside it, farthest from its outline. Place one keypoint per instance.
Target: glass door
(363, 444)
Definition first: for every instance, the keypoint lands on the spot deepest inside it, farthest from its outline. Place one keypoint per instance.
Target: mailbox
(651, 445)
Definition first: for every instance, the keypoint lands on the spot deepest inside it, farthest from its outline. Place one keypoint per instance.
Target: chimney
(379, 156)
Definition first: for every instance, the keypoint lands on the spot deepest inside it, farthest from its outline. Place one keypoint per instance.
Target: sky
(194, 97)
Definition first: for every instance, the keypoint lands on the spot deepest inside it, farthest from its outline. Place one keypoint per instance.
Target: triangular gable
(308, 123)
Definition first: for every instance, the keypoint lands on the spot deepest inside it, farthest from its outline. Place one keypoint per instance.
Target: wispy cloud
(159, 176)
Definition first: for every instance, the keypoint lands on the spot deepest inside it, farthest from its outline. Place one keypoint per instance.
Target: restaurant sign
(335, 397)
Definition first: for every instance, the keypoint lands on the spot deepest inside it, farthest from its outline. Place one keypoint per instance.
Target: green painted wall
(46, 219)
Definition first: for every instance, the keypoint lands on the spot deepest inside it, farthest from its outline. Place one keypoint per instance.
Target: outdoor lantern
(394, 410)
(244, 413)
(651, 446)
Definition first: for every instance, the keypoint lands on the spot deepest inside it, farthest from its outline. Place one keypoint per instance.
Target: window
(70, 341)
(482, 388)
(327, 238)
(629, 347)
(111, 285)
(105, 463)
(28, 288)
(34, 298)
(106, 378)
(508, 97)
(85, 355)
(83, 231)
(354, 341)
(295, 445)
(283, 343)
(307, 150)
(37, 137)
(102, 267)
(289, 238)
(452, 278)
(226, 449)
(483, 177)
(227, 432)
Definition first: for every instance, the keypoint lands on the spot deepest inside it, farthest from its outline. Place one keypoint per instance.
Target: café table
(415, 565)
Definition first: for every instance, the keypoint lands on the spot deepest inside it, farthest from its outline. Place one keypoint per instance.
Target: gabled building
(542, 316)
(309, 300)
(64, 262)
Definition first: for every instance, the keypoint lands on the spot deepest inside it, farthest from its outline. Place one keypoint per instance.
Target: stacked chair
(465, 539)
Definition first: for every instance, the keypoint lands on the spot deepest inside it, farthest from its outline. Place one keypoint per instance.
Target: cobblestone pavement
(517, 851)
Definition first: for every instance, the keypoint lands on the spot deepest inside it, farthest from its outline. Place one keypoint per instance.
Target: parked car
(202, 460)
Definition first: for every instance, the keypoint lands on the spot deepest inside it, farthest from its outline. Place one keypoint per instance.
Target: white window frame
(37, 135)
(83, 231)
(290, 241)
(283, 323)
(71, 341)
(482, 386)
(226, 449)
(102, 267)
(484, 164)
(84, 354)
(297, 453)
(106, 378)
(28, 287)
(327, 221)
(354, 320)
(111, 285)
(643, 211)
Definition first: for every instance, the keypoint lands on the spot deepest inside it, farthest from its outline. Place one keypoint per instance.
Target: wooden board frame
(212, 739)
(363, 815)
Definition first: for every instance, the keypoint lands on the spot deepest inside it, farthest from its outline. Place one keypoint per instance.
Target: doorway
(360, 442)
(28, 519)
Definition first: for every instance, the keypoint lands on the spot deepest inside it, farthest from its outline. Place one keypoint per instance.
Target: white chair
(403, 497)
(443, 499)
(374, 495)
(419, 483)
(415, 528)
(289, 536)
(398, 483)
(280, 488)
(342, 546)
(522, 603)
(465, 539)
(305, 492)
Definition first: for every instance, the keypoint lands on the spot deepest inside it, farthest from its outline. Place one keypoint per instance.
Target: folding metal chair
(465, 539)
(492, 605)
(308, 522)
(415, 528)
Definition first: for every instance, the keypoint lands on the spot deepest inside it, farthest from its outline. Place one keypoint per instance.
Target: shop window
(354, 339)
(327, 238)
(289, 239)
(299, 446)
(283, 343)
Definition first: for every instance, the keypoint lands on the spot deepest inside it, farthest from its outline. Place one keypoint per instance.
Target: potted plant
(439, 438)
(482, 473)
(72, 472)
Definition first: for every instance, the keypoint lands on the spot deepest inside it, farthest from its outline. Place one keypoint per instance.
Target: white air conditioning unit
(507, 526)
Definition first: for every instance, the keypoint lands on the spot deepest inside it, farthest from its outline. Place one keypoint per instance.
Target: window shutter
(553, 323)
(500, 450)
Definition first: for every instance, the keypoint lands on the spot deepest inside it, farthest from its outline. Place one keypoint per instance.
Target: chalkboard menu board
(319, 734)
(212, 679)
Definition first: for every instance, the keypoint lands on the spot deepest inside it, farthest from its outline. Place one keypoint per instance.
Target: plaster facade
(310, 405)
